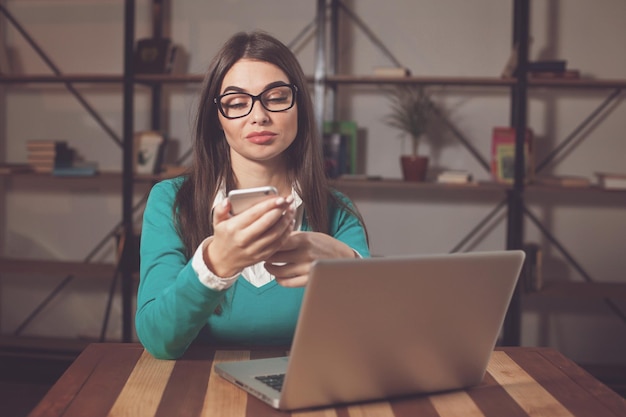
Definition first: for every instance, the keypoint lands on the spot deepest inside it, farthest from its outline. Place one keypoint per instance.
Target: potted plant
(412, 112)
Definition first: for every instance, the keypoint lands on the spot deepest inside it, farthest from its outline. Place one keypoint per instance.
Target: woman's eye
(276, 98)
(276, 101)
(236, 105)
(236, 102)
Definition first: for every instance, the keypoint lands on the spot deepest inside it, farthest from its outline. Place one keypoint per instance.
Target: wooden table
(114, 379)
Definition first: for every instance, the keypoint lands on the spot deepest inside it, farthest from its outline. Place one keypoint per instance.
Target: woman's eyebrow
(235, 89)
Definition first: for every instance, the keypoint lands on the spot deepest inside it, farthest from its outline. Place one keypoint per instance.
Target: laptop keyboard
(273, 381)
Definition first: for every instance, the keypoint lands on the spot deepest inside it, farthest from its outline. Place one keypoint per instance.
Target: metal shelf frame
(325, 82)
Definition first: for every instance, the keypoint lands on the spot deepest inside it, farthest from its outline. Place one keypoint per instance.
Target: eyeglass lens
(274, 99)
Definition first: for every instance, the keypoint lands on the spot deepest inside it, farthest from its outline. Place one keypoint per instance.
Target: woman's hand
(292, 263)
(249, 237)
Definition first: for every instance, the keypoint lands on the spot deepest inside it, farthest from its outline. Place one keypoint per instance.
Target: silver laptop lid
(384, 327)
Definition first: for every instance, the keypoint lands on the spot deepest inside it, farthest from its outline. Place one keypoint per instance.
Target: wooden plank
(81, 385)
(576, 389)
(457, 403)
(96, 270)
(147, 383)
(413, 406)
(187, 386)
(65, 78)
(493, 400)
(578, 83)
(459, 81)
(487, 186)
(98, 394)
(324, 412)
(222, 397)
(376, 409)
(334, 79)
(528, 393)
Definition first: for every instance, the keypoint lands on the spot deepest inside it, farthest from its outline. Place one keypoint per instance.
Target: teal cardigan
(174, 307)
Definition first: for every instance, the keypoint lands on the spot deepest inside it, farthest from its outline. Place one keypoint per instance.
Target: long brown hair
(211, 165)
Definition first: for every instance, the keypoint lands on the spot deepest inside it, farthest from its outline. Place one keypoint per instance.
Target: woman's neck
(256, 174)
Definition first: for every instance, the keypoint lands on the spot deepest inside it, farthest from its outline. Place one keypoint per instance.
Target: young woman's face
(262, 135)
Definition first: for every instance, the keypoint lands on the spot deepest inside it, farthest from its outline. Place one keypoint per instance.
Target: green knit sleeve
(347, 228)
(172, 304)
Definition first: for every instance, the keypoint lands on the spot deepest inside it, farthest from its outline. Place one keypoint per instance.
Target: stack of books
(44, 155)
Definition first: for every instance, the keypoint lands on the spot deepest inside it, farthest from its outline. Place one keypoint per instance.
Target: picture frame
(148, 152)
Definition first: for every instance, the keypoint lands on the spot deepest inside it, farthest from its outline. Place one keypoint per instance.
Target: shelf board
(588, 290)
(541, 188)
(331, 79)
(65, 78)
(99, 78)
(577, 83)
(459, 81)
(169, 78)
(56, 268)
(397, 184)
(101, 176)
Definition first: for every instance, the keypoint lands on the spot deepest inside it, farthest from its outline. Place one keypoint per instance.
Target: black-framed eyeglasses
(234, 105)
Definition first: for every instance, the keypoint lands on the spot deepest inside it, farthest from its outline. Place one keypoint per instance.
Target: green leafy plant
(412, 111)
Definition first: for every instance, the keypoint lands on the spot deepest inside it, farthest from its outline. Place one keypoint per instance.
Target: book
(45, 145)
(503, 154)
(80, 169)
(611, 181)
(348, 129)
(454, 177)
(153, 56)
(43, 155)
(335, 149)
(555, 65)
(391, 72)
(563, 181)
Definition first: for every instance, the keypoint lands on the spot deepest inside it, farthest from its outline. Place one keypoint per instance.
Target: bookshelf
(514, 195)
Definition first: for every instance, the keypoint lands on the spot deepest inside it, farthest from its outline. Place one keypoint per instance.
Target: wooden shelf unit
(518, 86)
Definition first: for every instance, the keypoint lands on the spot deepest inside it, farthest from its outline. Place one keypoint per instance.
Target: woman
(238, 279)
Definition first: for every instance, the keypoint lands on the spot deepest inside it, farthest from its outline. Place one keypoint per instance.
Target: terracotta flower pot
(414, 168)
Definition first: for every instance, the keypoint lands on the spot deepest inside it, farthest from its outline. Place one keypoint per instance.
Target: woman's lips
(261, 138)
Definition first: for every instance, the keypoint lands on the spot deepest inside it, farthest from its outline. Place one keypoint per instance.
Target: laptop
(379, 328)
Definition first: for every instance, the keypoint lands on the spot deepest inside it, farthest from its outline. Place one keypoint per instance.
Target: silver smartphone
(243, 199)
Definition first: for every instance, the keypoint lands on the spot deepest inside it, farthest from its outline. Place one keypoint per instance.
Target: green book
(349, 130)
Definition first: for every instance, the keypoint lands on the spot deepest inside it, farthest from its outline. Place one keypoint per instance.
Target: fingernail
(289, 199)
(280, 201)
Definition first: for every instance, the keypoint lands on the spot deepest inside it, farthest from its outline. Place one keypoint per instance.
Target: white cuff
(205, 275)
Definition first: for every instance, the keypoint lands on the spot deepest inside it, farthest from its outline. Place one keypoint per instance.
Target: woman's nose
(259, 114)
